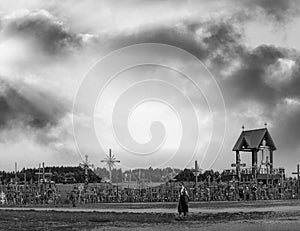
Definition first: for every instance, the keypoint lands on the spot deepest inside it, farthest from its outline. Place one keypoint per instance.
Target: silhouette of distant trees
(58, 175)
(208, 175)
(71, 174)
(185, 175)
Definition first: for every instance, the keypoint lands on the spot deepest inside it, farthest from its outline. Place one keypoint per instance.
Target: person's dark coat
(183, 201)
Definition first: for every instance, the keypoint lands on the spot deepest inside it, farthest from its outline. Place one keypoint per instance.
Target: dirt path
(194, 207)
(264, 215)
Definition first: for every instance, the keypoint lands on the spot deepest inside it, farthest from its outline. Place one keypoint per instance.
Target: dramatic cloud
(26, 104)
(42, 29)
(276, 9)
(35, 124)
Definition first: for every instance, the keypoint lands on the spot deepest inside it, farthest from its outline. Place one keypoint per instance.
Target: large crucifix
(86, 165)
(298, 176)
(110, 161)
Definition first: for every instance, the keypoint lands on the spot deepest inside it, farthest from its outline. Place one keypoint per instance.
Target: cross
(196, 171)
(43, 174)
(16, 169)
(298, 176)
(86, 165)
(110, 161)
(238, 166)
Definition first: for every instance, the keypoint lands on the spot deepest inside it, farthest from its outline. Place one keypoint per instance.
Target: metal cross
(110, 161)
(86, 165)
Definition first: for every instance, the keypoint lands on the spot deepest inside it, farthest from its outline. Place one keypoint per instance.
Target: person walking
(183, 200)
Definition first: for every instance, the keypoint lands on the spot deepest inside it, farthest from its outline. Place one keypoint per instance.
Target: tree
(185, 175)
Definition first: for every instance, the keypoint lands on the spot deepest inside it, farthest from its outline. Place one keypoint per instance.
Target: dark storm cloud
(248, 81)
(251, 81)
(205, 40)
(287, 130)
(28, 106)
(293, 89)
(46, 31)
(219, 44)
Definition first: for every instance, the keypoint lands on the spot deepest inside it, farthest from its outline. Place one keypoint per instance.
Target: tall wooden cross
(196, 171)
(110, 161)
(86, 165)
(298, 176)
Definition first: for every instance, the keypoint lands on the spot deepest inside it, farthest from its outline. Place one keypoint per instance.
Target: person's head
(181, 184)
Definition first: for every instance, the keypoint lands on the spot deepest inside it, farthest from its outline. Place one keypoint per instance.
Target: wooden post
(110, 167)
(43, 173)
(271, 161)
(238, 166)
(254, 158)
(39, 175)
(237, 162)
(196, 171)
(16, 169)
(208, 183)
(25, 178)
(298, 176)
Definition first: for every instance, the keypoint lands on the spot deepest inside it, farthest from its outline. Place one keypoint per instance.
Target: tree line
(62, 174)
(71, 174)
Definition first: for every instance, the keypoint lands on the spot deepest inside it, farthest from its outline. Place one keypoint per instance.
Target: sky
(150, 115)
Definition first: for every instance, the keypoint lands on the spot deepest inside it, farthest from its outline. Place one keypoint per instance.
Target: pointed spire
(243, 127)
